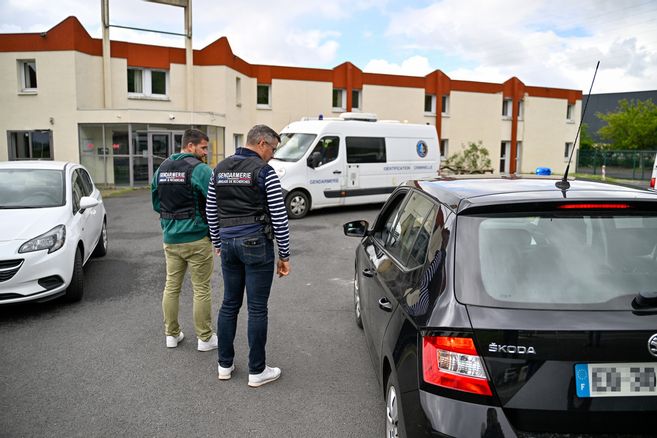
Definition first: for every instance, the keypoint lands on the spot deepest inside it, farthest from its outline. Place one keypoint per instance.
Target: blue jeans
(245, 262)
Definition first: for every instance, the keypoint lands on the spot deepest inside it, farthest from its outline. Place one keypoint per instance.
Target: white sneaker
(210, 344)
(225, 373)
(172, 341)
(269, 374)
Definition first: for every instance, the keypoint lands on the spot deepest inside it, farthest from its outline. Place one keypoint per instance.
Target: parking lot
(100, 367)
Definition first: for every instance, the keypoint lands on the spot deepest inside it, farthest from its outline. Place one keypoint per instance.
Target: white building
(58, 103)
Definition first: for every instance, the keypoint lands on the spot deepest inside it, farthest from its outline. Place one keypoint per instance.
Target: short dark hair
(261, 132)
(193, 136)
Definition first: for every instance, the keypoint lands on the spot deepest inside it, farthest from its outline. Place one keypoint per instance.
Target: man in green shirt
(178, 191)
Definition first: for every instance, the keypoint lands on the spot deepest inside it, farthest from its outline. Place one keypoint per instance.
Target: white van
(654, 175)
(353, 159)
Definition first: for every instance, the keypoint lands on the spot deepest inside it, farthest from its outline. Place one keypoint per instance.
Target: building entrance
(129, 154)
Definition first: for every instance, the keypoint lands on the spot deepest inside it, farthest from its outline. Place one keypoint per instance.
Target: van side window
(366, 150)
(328, 148)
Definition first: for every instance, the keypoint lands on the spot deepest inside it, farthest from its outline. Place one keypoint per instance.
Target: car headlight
(280, 172)
(51, 240)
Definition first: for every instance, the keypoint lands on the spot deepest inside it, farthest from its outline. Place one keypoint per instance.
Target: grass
(636, 183)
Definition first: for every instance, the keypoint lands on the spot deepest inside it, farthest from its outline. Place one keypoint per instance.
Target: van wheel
(76, 287)
(297, 204)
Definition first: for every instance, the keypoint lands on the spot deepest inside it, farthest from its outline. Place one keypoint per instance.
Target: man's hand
(217, 251)
(283, 268)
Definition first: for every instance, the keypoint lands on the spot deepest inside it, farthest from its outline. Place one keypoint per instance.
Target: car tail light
(453, 363)
(594, 206)
(652, 183)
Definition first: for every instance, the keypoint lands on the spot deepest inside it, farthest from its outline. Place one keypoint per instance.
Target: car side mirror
(313, 159)
(88, 202)
(356, 228)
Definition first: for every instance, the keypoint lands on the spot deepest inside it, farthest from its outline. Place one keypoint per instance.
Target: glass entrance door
(151, 149)
(161, 147)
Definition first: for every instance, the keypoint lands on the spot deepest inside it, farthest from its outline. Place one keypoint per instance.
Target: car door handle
(385, 305)
(368, 272)
(337, 172)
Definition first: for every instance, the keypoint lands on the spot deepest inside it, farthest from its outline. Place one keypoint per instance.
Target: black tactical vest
(239, 199)
(174, 187)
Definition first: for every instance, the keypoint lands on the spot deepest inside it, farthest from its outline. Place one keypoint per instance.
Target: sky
(550, 43)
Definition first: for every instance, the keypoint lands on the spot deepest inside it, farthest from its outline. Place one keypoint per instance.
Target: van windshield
(293, 146)
(544, 260)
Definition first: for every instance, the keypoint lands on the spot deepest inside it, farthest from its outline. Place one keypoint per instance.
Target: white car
(52, 220)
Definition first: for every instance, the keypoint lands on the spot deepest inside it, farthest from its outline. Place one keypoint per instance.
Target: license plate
(615, 379)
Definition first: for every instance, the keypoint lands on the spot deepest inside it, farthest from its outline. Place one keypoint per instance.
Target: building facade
(54, 88)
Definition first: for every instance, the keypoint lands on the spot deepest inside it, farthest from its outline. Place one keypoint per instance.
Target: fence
(632, 165)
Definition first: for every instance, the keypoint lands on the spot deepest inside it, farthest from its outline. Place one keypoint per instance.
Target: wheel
(357, 311)
(101, 247)
(76, 287)
(394, 427)
(297, 204)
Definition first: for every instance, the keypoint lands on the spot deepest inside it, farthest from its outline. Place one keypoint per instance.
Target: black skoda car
(512, 308)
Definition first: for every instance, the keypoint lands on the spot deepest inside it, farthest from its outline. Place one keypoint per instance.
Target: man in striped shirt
(245, 211)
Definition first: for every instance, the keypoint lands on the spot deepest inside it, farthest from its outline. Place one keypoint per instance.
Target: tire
(101, 247)
(297, 204)
(76, 287)
(357, 309)
(394, 417)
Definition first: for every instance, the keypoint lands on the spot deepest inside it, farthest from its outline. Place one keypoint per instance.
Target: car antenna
(563, 183)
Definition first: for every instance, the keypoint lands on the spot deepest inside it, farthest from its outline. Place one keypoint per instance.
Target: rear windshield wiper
(645, 300)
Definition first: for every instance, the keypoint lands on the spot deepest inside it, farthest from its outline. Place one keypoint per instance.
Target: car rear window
(581, 259)
(31, 188)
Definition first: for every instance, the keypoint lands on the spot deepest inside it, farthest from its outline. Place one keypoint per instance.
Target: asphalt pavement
(100, 367)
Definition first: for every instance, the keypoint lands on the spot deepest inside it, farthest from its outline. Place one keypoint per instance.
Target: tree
(633, 126)
(585, 140)
(473, 159)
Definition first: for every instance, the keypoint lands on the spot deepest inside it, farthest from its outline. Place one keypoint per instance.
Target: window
(518, 156)
(86, 182)
(147, 83)
(570, 112)
(415, 224)
(30, 145)
(77, 185)
(507, 105)
(547, 260)
(135, 81)
(238, 140)
(521, 109)
(443, 148)
(339, 99)
(238, 91)
(355, 99)
(264, 96)
(158, 82)
(430, 103)
(505, 147)
(325, 151)
(385, 224)
(28, 75)
(445, 104)
(566, 150)
(366, 150)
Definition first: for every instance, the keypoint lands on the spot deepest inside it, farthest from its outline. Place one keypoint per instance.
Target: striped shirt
(269, 183)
